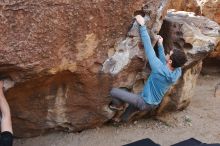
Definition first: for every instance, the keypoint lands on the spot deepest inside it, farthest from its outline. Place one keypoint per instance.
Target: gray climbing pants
(131, 98)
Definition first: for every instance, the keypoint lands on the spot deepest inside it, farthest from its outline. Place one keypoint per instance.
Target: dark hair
(178, 58)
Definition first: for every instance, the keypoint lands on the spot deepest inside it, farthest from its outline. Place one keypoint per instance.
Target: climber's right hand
(140, 20)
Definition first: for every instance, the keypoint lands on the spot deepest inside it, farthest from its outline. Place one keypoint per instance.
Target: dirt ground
(200, 120)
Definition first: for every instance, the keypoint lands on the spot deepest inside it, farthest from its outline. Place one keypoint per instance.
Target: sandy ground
(200, 120)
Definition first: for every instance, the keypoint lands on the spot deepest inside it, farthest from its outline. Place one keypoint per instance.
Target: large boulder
(55, 51)
(197, 36)
(211, 9)
(207, 8)
(65, 56)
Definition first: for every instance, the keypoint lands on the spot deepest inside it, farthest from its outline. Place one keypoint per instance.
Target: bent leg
(126, 96)
(136, 103)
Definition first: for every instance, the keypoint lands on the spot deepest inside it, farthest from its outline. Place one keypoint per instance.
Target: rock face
(216, 53)
(197, 36)
(65, 56)
(185, 5)
(210, 9)
(207, 8)
(49, 37)
(65, 101)
(55, 50)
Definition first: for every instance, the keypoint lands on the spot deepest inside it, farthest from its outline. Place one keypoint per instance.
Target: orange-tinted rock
(65, 101)
(46, 37)
(57, 53)
(216, 53)
(55, 50)
(185, 5)
(211, 9)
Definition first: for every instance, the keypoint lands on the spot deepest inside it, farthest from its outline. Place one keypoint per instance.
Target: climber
(165, 71)
(6, 137)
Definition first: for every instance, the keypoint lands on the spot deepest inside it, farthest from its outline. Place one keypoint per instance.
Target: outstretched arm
(161, 50)
(6, 124)
(149, 51)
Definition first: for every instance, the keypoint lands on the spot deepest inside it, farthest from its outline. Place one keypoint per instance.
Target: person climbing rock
(6, 137)
(165, 71)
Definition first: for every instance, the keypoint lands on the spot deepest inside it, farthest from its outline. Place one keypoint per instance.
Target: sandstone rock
(51, 37)
(216, 53)
(207, 8)
(185, 5)
(65, 101)
(55, 50)
(65, 56)
(197, 36)
(210, 9)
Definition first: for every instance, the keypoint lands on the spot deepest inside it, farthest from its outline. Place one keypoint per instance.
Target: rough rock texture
(49, 37)
(65, 56)
(211, 9)
(185, 5)
(207, 8)
(197, 36)
(216, 53)
(65, 101)
(54, 51)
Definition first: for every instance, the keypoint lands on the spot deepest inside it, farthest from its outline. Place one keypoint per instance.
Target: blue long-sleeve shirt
(161, 77)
